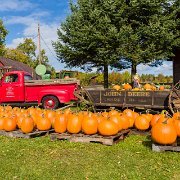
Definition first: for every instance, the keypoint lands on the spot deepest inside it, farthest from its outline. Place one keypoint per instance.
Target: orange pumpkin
(27, 125)
(127, 86)
(128, 113)
(73, 124)
(113, 112)
(51, 115)
(116, 87)
(1, 123)
(164, 133)
(176, 115)
(155, 119)
(107, 128)
(116, 119)
(89, 125)
(60, 124)
(9, 124)
(125, 122)
(147, 87)
(142, 123)
(43, 124)
(161, 88)
(177, 126)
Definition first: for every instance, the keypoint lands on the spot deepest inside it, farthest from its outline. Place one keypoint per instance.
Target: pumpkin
(19, 120)
(89, 125)
(147, 86)
(127, 86)
(142, 123)
(125, 122)
(116, 87)
(1, 123)
(60, 123)
(51, 115)
(107, 128)
(9, 124)
(105, 114)
(176, 115)
(27, 125)
(73, 124)
(128, 112)
(161, 88)
(43, 123)
(164, 133)
(177, 126)
(116, 119)
(155, 119)
(113, 112)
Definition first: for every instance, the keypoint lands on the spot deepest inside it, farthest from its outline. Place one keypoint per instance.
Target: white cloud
(48, 34)
(165, 68)
(15, 42)
(17, 5)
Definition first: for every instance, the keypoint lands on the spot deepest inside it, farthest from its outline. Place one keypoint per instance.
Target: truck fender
(62, 95)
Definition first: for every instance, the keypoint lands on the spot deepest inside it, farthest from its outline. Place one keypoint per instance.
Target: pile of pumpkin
(164, 130)
(147, 87)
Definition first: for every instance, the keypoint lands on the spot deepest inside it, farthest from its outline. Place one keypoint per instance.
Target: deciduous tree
(3, 34)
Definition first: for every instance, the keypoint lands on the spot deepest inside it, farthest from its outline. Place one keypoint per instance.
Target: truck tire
(50, 102)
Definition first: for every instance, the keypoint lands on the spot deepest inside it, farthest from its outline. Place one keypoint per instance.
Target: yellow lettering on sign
(139, 94)
(109, 93)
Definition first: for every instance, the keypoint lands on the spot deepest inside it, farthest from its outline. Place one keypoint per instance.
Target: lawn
(41, 158)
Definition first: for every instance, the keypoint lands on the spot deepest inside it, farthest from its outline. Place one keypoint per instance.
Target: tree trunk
(105, 75)
(176, 66)
(133, 70)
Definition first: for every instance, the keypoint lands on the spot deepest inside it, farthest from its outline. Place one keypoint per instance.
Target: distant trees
(25, 52)
(121, 78)
(118, 34)
(3, 34)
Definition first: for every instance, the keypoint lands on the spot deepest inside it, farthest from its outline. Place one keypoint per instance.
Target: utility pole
(39, 43)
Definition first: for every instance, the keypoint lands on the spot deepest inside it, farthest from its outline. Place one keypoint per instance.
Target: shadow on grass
(148, 143)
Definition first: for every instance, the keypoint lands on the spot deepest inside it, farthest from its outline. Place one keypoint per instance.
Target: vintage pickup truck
(18, 88)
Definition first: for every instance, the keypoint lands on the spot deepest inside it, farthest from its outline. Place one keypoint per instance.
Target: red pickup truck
(18, 88)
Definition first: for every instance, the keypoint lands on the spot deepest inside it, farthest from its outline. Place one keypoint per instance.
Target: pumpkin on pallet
(164, 132)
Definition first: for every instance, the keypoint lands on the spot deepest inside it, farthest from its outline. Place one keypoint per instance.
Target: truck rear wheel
(50, 102)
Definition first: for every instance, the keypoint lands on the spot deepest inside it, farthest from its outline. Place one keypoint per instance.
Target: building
(7, 65)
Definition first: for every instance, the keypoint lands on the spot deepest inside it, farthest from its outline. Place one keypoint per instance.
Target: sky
(21, 18)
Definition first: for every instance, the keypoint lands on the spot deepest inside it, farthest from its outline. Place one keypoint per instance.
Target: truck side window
(27, 77)
(11, 78)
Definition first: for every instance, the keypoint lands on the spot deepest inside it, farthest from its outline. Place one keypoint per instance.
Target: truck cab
(18, 87)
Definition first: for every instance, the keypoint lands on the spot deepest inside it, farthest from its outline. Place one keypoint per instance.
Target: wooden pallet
(80, 137)
(139, 132)
(161, 148)
(19, 134)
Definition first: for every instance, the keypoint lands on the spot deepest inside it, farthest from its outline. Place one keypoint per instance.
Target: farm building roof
(16, 66)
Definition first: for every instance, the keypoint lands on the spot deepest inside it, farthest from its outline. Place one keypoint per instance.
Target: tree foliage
(26, 53)
(3, 34)
(118, 33)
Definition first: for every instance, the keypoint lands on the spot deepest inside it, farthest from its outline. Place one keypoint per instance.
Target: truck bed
(51, 82)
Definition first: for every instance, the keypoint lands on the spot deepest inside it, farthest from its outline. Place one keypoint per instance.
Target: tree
(152, 33)
(26, 53)
(117, 33)
(91, 36)
(16, 55)
(28, 47)
(3, 34)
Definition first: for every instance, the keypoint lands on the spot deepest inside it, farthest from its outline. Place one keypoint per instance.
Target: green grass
(41, 158)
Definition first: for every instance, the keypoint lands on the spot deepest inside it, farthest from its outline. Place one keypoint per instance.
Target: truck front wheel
(50, 102)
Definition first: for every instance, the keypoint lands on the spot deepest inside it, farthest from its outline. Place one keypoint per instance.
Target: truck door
(12, 88)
